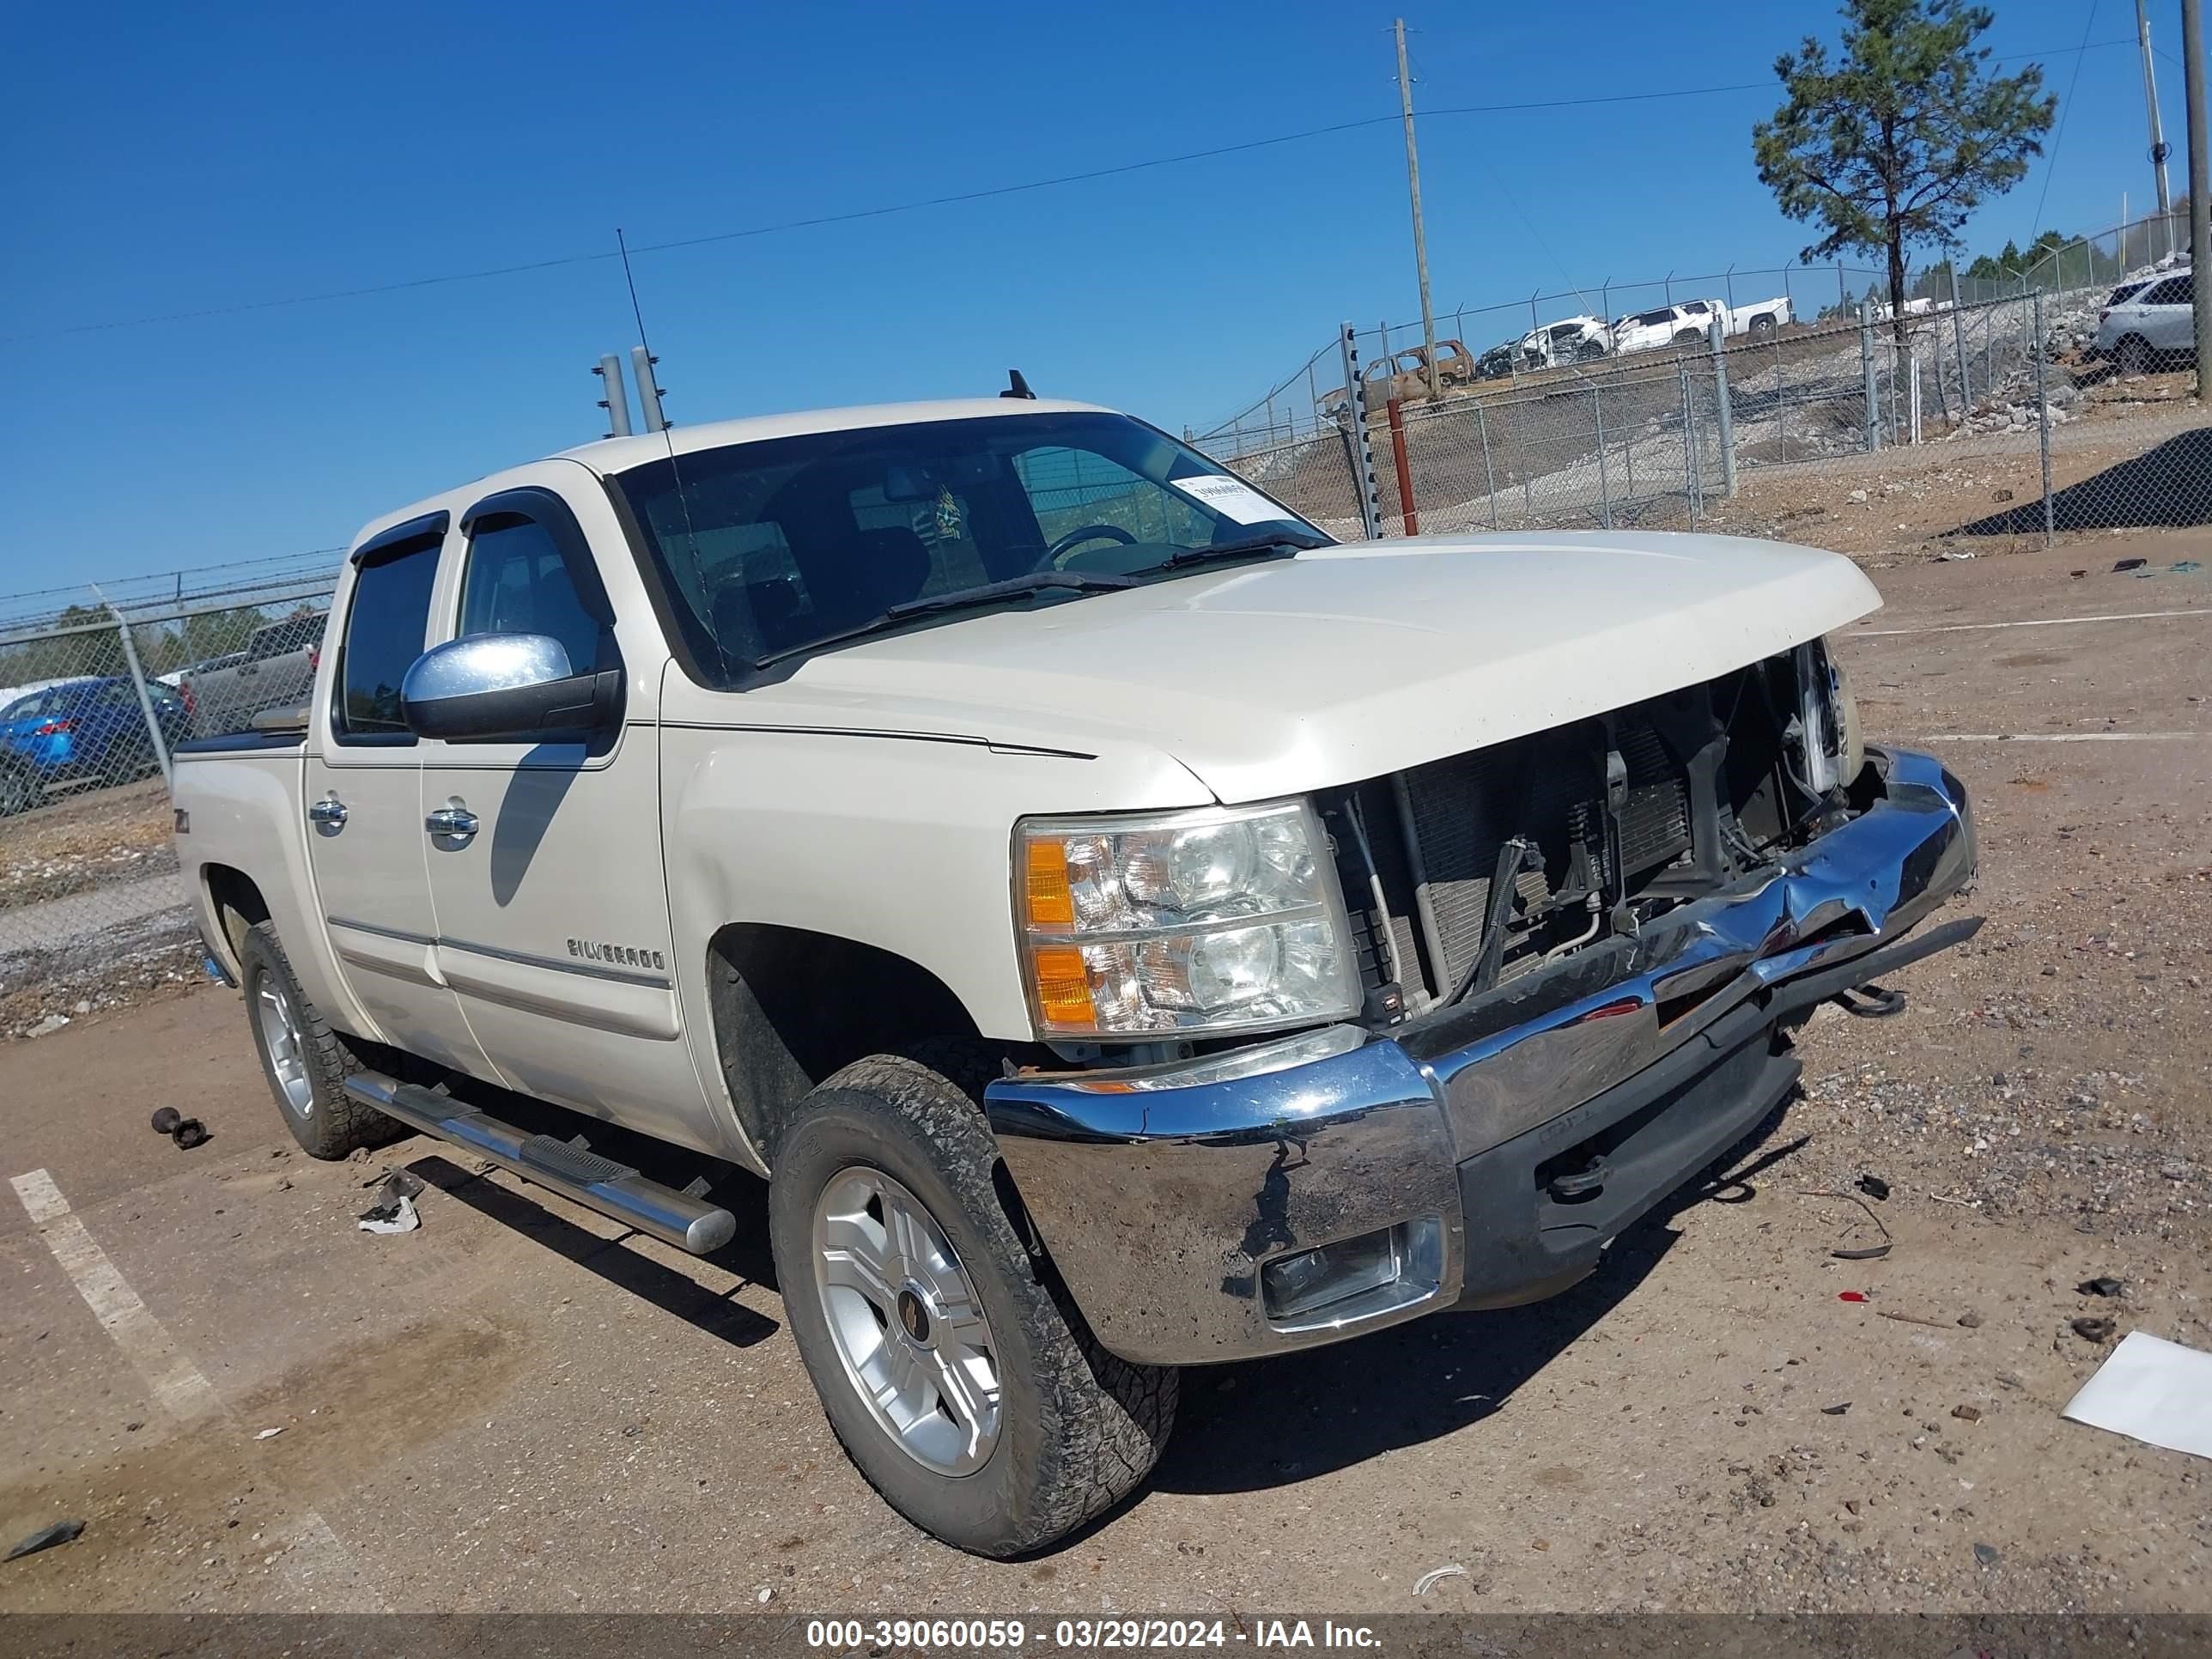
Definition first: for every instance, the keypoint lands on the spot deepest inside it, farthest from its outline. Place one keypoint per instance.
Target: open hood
(1345, 662)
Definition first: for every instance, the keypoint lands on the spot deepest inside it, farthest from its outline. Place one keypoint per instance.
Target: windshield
(764, 547)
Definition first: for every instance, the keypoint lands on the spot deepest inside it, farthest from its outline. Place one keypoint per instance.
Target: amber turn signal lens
(1063, 986)
(1051, 905)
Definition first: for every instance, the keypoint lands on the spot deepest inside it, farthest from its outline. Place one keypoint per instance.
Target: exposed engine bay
(1465, 873)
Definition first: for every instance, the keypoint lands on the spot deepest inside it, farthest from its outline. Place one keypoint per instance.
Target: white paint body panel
(872, 793)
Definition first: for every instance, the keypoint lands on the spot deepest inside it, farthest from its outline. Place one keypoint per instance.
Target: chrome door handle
(457, 821)
(331, 812)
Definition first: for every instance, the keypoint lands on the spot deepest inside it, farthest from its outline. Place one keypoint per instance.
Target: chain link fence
(95, 696)
(1873, 435)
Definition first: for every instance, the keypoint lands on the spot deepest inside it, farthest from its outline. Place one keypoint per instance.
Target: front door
(551, 905)
(366, 842)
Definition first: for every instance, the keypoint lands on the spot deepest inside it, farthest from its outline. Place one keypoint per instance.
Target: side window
(515, 583)
(383, 634)
(116, 694)
(2173, 291)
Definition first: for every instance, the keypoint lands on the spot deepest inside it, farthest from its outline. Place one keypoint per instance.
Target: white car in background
(1690, 323)
(2139, 326)
(1571, 340)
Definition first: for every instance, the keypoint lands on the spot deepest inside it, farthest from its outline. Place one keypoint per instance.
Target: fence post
(1413, 519)
(1489, 478)
(1728, 415)
(1604, 484)
(1873, 435)
(1691, 494)
(2043, 429)
(1363, 454)
(1959, 342)
(146, 699)
(1842, 293)
(1781, 405)
(1912, 382)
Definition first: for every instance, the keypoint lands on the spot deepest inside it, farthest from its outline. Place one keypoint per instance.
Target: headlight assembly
(1834, 751)
(1150, 923)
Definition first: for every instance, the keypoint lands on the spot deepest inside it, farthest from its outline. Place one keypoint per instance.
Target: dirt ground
(518, 1407)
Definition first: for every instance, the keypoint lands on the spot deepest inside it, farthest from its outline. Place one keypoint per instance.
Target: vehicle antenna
(649, 399)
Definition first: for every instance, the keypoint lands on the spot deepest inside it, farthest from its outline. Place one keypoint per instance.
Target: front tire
(965, 1390)
(307, 1063)
(19, 791)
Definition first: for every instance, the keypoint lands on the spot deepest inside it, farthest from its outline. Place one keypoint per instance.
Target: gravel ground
(517, 1408)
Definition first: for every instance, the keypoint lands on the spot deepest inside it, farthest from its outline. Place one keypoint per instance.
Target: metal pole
(1690, 492)
(1842, 293)
(1604, 484)
(1489, 478)
(1872, 438)
(1912, 382)
(1959, 342)
(145, 699)
(1412, 521)
(616, 403)
(1421, 240)
(1363, 455)
(2200, 179)
(1728, 415)
(1781, 405)
(2043, 426)
(2158, 149)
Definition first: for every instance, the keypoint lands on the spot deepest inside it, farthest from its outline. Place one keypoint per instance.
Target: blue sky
(168, 159)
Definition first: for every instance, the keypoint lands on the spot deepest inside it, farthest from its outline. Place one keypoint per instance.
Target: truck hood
(1345, 662)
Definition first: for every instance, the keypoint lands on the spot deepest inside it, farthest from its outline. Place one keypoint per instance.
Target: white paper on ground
(1232, 498)
(2151, 1390)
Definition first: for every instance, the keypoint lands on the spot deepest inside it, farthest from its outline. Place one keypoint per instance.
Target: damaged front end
(1465, 874)
(1583, 952)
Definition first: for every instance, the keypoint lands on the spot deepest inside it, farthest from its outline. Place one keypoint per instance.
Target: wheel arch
(791, 1007)
(235, 901)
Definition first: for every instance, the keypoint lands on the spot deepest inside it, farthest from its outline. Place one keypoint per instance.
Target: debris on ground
(2100, 1285)
(2128, 564)
(1910, 1318)
(1836, 1410)
(1970, 1320)
(1873, 1186)
(48, 1026)
(396, 1183)
(2152, 1390)
(269, 1434)
(1967, 1413)
(1987, 1555)
(189, 1133)
(45, 1538)
(1857, 1253)
(166, 1119)
(1429, 1580)
(2093, 1330)
(394, 1210)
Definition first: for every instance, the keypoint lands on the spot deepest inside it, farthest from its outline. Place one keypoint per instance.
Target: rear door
(552, 910)
(367, 844)
(2171, 320)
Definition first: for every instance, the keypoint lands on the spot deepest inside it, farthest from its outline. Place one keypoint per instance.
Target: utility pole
(2157, 151)
(2200, 179)
(1420, 239)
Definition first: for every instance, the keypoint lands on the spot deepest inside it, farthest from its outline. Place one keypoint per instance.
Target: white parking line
(177, 1382)
(2069, 737)
(315, 1558)
(2038, 621)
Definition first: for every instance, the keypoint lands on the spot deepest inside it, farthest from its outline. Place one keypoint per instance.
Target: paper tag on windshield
(1232, 498)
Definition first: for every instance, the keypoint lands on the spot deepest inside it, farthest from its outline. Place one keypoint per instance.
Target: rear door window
(383, 634)
(2173, 291)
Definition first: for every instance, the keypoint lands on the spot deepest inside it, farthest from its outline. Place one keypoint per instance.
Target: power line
(858, 214)
(2065, 109)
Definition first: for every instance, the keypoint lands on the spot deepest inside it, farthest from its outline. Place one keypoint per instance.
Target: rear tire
(2132, 357)
(305, 1063)
(1018, 1426)
(1762, 324)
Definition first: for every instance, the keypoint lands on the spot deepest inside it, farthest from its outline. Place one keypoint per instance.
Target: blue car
(81, 731)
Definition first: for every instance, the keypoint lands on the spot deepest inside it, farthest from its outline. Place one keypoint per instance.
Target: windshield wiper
(965, 598)
(1280, 546)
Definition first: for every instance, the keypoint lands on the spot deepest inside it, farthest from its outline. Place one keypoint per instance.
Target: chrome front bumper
(1163, 1195)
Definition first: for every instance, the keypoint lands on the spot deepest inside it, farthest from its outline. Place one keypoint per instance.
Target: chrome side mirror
(506, 688)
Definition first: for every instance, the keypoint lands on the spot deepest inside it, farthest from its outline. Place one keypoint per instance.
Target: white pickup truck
(1128, 929)
(1690, 323)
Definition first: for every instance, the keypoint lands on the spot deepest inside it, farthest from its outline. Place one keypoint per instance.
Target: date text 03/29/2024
(987, 1635)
